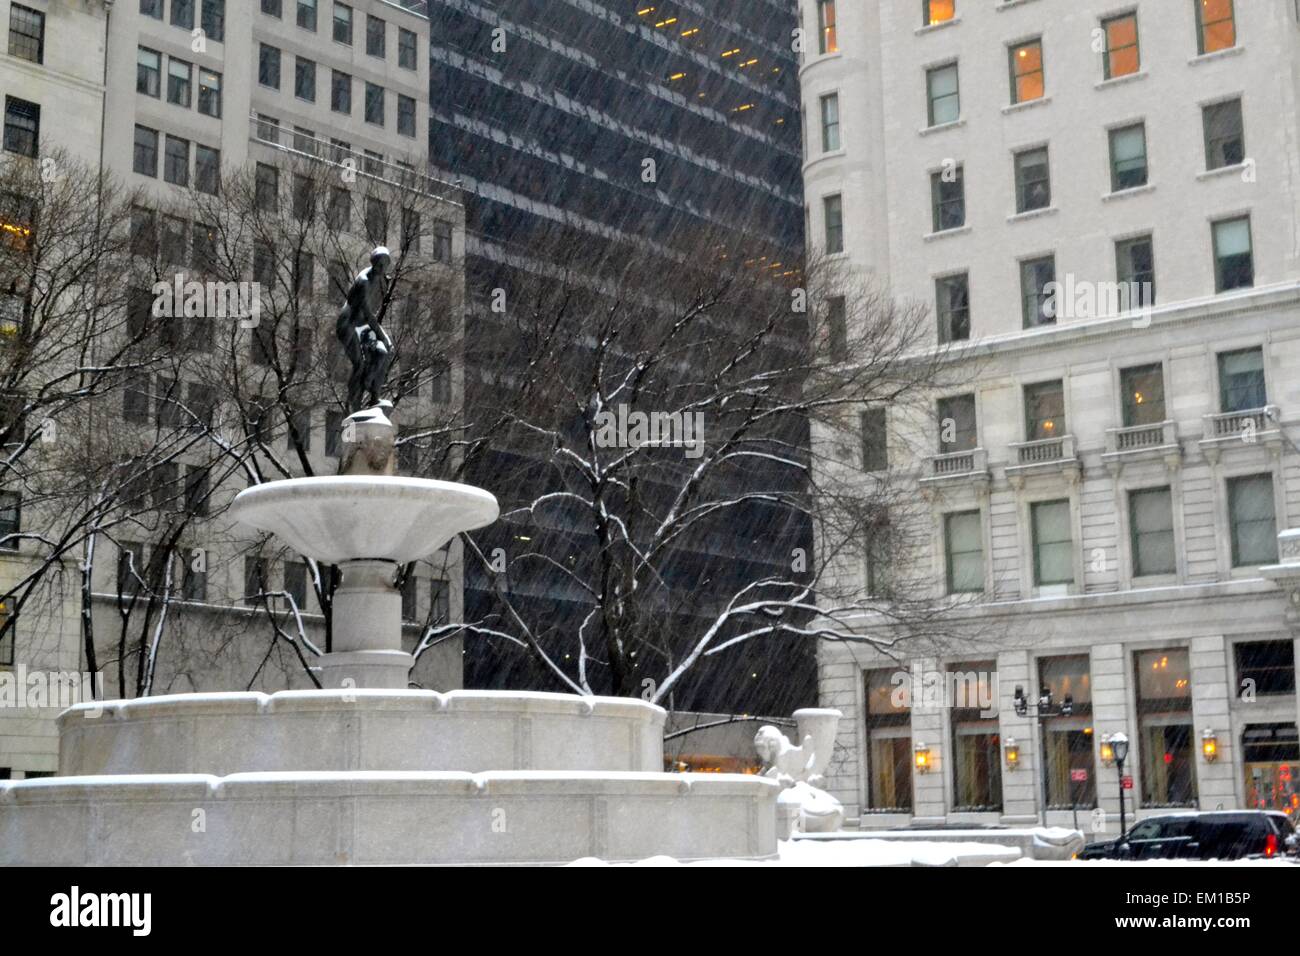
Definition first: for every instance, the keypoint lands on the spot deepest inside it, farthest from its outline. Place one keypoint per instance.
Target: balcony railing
(1046, 455)
(1229, 425)
(958, 466)
(1134, 442)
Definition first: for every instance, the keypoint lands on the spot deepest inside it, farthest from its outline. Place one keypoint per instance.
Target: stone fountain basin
(356, 517)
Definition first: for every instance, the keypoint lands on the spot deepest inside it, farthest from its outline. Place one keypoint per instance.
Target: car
(1192, 835)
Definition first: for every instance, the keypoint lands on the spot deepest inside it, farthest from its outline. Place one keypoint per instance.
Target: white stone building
(1112, 477)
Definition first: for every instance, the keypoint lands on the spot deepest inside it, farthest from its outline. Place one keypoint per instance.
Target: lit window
(964, 552)
(210, 93)
(1128, 157)
(943, 95)
(1044, 410)
(889, 749)
(1234, 260)
(827, 38)
(1164, 706)
(1143, 388)
(1216, 27)
(1027, 71)
(1053, 543)
(1122, 56)
(938, 11)
(1151, 530)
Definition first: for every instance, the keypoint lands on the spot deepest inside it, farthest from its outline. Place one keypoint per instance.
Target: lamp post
(1119, 746)
(1046, 709)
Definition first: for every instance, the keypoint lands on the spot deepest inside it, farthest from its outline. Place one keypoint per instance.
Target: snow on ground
(851, 853)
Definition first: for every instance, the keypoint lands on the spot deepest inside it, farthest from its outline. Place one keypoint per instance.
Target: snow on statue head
(798, 769)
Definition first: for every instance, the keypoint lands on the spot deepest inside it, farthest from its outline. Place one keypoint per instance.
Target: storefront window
(1067, 740)
(977, 748)
(1271, 753)
(889, 745)
(1166, 741)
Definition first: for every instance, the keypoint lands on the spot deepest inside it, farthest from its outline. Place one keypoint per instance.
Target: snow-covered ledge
(1286, 573)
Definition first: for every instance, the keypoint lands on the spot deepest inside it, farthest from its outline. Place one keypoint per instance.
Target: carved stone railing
(1044, 456)
(970, 465)
(1248, 427)
(1140, 442)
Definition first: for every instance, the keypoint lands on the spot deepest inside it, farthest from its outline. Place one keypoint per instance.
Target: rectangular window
(1225, 137)
(952, 305)
(307, 14)
(194, 583)
(947, 199)
(268, 66)
(183, 14)
(1033, 180)
(889, 748)
(875, 439)
(342, 23)
(1044, 410)
(255, 578)
(1216, 26)
(1038, 298)
(22, 126)
(333, 434)
(1067, 738)
(210, 93)
(1268, 665)
(340, 92)
(1254, 528)
(1241, 380)
(827, 37)
(943, 95)
(338, 214)
(958, 430)
(1165, 745)
(179, 82)
(937, 11)
(977, 748)
(1143, 388)
(267, 188)
(374, 104)
(144, 232)
(207, 169)
(268, 128)
(304, 79)
(405, 115)
(964, 552)
(10, 520)
(408, 49)
(1027, 71)
(411, 230)
(176, 161)
(1135, 267)
(148, 72)
(1053, 543)
(376, 220)
(1151, 527)
(1234, 260)
(837, 328)
(1128, 157)
(830, 110)
(26, 33)
(1122, 56)
(375, 34)
(214, 19)
(154, 8)
(833, 211)
(145, 161)
(442, 241)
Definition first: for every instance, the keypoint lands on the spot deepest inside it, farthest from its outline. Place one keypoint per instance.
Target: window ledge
(1224, 171)
(1028, 104)
(959, 231)
(1008, 4)
(1034, 214)
(1121, 80)
(1216, 55)
(942, 127)
(930, 28)
(1128, 193)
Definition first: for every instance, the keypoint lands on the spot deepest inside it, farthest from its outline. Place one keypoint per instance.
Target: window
(1135, 267)
(1044, 410)
(210, 93)
(1151, 531)
(1053, 543)
(1225, 139)
(833, 210)
(175, 250)
(183, 14)
(267, 187)
(176, 161)
(937, 11)
(947, 199)
(179, 81)
(1037, 291)
(1216, 27)
(375, 32)
(10, 520)
(1067, 740)
(1165, 746)
(372, 162)
(22, 126)
(830, 110)
(964, 552)
(1033, 180)
(333, 434)
(214, 19)
(148, 72)
(878, 552)
(1128, 157)
(207, 169)
(1241, 380)
(442, 241)
(1250, 512)
(827, 39)
(304, 79)
(268, 128)
(254, 579)
(1268, 665)
(405, 115)
(304, 197)
(268, 66)
(977, 748)
(342, 23)
(837, 328)
(1122, 56)
(263, 273)
(875, 439)
(145, 161)
(376, 220)
(144, 232)
(952, 305)
(340, 92)
(206, 261)
(1027, 71)
(338, 214)
(943, 94)
(194, 576)
(411, 230)
(1143, 390)
(889, 747)
(374, 104)
(272, 8)
(408, 49)
(307, 14)
(1234, 261)
(295, 583)
(151, 8)
(957, 425)
(26, 33)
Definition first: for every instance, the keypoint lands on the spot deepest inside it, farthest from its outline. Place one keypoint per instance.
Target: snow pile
(851, 853)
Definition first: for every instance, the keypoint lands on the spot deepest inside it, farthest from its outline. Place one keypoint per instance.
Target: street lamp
(1210, 745)
(1013, 753)
(1119, 747)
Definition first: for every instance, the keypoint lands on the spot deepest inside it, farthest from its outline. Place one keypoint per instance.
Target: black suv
(1216, 835)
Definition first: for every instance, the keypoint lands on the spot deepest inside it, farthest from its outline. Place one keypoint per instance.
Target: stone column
(367, 648)
(1216, 783)
(929, 805)
(1021, 788)
(1110, 716)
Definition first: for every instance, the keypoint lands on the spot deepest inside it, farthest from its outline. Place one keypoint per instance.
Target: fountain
(366, 771)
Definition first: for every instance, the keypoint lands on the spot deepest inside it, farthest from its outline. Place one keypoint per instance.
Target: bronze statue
(362, 334)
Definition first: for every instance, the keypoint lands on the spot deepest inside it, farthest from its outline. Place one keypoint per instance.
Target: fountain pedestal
(367, 629)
